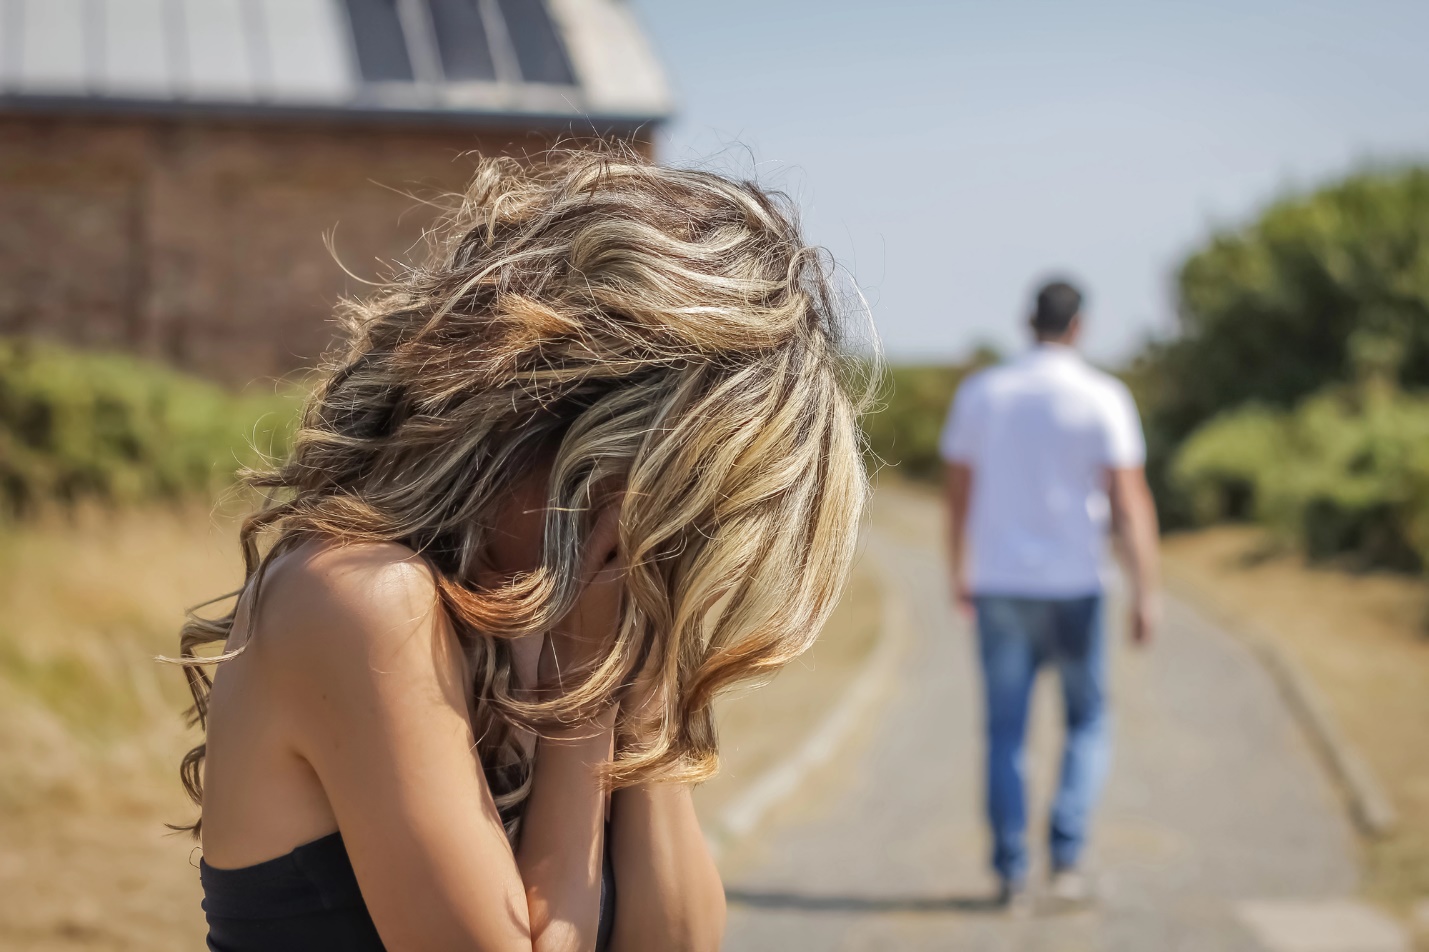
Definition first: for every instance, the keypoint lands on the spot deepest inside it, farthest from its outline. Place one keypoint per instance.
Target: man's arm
(957, 488)
(1133, 519)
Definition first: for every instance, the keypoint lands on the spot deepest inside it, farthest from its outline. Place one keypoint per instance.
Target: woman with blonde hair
(593, 462)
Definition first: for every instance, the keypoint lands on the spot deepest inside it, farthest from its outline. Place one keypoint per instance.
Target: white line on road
(1331, 925)
(741, 816)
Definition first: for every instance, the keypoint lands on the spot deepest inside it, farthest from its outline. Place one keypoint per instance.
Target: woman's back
(348, 709)
(262, 797)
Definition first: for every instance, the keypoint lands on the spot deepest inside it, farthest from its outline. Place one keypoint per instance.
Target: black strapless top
(308, 900)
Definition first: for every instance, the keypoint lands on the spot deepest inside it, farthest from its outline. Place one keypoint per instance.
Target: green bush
(77, 425)
(1344, 473)
(1224, 466)
(1324, 289)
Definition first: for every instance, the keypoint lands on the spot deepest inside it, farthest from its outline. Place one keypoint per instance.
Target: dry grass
(90, 727)
(91, 732)
(1362, 639)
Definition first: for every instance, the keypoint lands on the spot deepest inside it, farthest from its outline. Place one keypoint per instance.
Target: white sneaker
(1072, 887)
(1014, 899)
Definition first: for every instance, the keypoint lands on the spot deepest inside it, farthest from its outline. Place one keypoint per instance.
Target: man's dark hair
(1058, 302)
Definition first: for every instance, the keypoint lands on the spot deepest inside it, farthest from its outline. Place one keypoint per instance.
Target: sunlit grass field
(91, 725)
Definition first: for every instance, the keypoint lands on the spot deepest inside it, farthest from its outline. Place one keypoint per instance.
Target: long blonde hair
(665, 329)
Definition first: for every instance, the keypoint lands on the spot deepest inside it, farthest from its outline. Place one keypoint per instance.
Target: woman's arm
(563, 827)
(668, 891)
(562, 837)
(375, 690)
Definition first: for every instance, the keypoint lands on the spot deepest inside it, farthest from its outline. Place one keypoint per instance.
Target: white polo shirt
(1040, 433)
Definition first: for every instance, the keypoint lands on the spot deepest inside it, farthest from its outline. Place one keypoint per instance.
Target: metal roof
(459, 59)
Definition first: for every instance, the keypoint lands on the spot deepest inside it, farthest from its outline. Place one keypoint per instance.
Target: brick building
(172, 171)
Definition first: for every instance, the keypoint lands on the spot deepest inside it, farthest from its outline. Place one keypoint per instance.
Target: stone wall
(204, 243)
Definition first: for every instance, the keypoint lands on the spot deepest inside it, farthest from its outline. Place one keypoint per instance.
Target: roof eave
(350, 113)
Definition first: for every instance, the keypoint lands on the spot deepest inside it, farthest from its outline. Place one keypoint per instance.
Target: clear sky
(951, 152)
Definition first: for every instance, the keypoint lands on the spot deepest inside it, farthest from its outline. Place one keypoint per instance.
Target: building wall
(202, 243)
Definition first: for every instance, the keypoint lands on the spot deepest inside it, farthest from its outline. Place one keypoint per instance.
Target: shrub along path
(1218, 829)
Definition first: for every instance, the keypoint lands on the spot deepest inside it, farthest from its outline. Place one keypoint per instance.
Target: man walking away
(1043, 454)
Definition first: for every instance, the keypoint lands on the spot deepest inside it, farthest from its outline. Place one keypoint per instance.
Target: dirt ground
(91, 732)
(1364, 640)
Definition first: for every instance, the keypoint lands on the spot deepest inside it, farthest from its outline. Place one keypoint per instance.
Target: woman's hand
(562, 839)
(645, 704)
(580, 640)
(559, 855)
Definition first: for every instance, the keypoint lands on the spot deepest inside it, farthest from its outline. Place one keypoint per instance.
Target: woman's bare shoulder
(326, 601)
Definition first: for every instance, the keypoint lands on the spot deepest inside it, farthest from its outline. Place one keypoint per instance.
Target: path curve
(1216, 804)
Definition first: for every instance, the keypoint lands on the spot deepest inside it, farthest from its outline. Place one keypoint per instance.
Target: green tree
(1320, 289)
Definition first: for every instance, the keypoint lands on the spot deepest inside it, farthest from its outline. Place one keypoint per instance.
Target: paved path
(1216, 810)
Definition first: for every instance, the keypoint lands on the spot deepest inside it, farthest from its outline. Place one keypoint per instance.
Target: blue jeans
(1015, 637)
